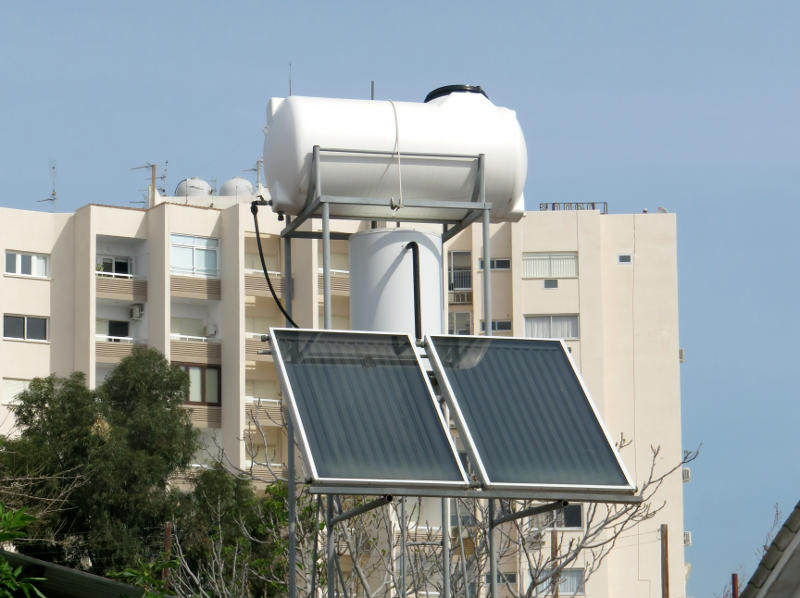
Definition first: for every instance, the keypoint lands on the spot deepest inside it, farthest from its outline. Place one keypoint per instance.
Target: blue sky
(693, 106)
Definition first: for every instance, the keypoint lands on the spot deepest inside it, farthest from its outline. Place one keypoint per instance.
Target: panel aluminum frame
(578, 492)
(362, 485)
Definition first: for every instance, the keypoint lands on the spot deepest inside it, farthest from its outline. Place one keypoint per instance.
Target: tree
(231, 539)
(12, 580)
(125, 439)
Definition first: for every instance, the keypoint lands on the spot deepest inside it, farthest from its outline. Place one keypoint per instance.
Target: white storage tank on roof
(237, 186)
(193, 187)
(454, 120)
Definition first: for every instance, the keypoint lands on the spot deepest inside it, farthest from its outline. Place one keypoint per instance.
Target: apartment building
(80, 290)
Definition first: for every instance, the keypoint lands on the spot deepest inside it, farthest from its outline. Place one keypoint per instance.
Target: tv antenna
(257, 170)
(152, 167)
(163, 178)
(52, 196)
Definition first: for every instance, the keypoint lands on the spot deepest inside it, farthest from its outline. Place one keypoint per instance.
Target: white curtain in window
(537, 326)
(11, 387)
(212, 386)
(564, 327)
(535, 266)
(563, 266)
(570, 582)
(195, 385)
(40, 265)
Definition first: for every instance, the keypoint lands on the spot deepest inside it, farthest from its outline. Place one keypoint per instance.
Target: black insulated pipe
(417, 302)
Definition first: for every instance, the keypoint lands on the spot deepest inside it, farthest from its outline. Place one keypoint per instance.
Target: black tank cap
(448, 89)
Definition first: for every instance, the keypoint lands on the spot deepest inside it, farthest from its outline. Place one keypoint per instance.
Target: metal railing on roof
(557, 206)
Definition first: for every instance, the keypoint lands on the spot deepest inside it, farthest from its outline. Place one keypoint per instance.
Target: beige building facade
(80, 290)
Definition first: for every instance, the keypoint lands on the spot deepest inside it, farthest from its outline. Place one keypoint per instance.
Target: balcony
(113, 349)
(254, 347)
(205, 416)
(459, 297)
(256, 284)
(195, 287)
(266, 412)
(195, 349)
(460, 280)
(265, 473)
(122, 287)
(340, 282)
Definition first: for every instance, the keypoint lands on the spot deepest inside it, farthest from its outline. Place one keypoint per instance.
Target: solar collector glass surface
(527, 412)
(365, 408)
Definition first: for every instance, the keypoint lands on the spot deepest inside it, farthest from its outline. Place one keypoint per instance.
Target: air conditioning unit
(686, 475)
(687, 538)
(137, 311)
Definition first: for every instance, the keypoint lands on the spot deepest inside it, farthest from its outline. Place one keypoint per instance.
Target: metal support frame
(465, 214)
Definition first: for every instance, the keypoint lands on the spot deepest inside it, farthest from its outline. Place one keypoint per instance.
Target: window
(459, 322)
(10, 388)
(570, 517)
(465, 513)
(552, 327)
(500, 263)
(112, 330)
(121, 267)
(570, 583)
(551, 283)
(624, 259)
(204, 384)
(27, 264)
(25, 328)
(549, 265)
(501, 578)
(498, 326)
(459, 270)
(195, 256)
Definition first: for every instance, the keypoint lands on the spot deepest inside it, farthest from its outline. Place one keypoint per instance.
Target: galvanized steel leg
(330, 547)
(326, 263)
(402, 592)
(445, 547)
(292, 498)
(487, 327)
(492, 551)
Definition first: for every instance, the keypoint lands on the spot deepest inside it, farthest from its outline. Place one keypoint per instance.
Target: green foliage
(126, 438)
(225, 520)
(148, 576)
(12, 581)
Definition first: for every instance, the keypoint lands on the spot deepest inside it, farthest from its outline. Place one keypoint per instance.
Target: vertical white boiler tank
(382, 283)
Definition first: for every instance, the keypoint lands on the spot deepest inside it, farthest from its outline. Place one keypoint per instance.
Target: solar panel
(525, 415)
(364, 410)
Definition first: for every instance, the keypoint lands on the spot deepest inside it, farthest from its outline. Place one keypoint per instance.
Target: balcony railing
(267, 412)
(113, 349)
(557, 206)
(460, 280)
(195, 349)
(196, 339)
(125, 287)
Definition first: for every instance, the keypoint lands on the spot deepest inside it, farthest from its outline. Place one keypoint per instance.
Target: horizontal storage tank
(382, 283)
(454, 121)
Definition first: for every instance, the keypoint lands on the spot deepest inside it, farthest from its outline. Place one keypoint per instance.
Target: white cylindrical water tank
(457, 122)
(235, 187)
(193, 187)
(382, 283)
